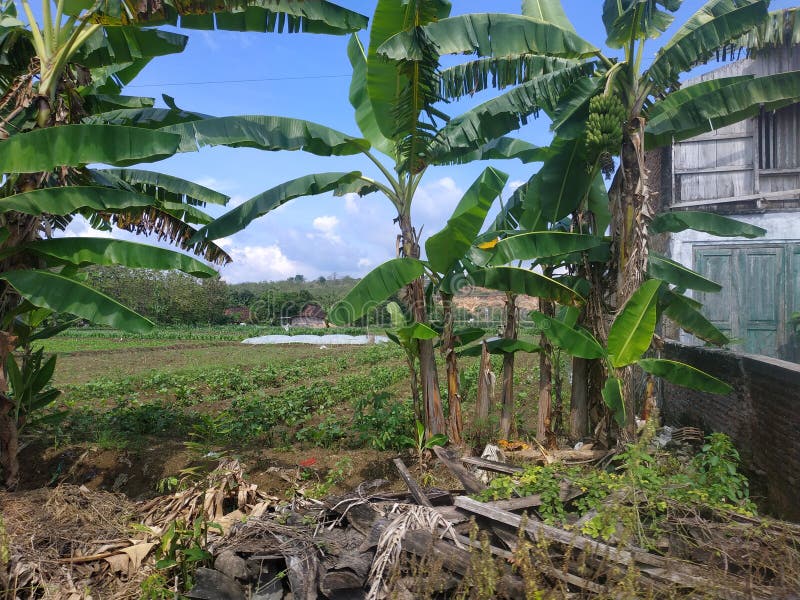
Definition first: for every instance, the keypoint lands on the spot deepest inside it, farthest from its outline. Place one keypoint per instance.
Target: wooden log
(492, 465)
(412, 486)
(657, 568)
(471, 483)
(453, 559)
(349, 573)
(302, 571)
(564, 455)
(567, 493)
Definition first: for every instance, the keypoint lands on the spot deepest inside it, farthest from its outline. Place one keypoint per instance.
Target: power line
(225, 81)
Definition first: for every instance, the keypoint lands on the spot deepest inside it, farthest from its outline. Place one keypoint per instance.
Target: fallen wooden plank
(492, 465)
(472, 485)
(658, 568)
(453, 559)
(412, 486)
(563, 455)
(568, 492)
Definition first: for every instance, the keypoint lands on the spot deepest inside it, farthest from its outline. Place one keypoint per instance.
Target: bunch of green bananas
(604, 130)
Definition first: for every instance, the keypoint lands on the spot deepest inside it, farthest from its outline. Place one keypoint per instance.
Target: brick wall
(761, 415)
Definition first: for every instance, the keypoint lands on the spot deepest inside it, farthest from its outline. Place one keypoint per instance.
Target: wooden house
(312, 315)
(749, 171)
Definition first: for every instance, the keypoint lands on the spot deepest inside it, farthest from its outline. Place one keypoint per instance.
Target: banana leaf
(632, 331)
(661, 267)
(445, 247)
(257, 206)
(79, 145)
(376, 286)
(575, 342)
(64, 295)
(523, 281)
(684, 375)
(706, 222)
(102, 251)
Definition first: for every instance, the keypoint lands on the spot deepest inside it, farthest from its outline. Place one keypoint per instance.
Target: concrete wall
(761, 415)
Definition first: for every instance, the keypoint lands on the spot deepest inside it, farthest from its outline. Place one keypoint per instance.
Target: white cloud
(513, 185)
(80, 228)
(326, 225)
(363, 263)
(435, 201)
(260, 263)
(350, 204)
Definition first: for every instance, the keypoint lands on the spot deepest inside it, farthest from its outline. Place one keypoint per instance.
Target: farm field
(145, 411)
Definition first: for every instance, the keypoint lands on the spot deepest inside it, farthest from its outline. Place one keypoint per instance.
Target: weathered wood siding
(754, 160)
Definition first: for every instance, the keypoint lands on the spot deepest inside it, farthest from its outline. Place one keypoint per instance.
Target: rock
(232, 565)
(268, 585)
(213, 585)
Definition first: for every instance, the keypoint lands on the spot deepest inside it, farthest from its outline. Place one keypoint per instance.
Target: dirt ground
(137, 473)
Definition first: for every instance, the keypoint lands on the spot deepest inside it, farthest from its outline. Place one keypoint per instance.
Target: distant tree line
(174, 298)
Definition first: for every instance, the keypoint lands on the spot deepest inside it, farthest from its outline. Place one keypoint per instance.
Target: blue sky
(307, 76)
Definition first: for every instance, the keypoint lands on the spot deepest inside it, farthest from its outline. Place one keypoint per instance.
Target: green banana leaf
(359, 99)
(570, 114)
(501, 346)
(706, 222)
(99, 103)
(466, 335)
(714, 25)
(636, 20)
(498, 116)
(385, 82)
(415, 331)
(563, 181)
(266, 133)
(722, 107)
(502, 148)
(257, 206)
(575, 342)
(447, 246)
(144, 118)
(468, 78)
(64, 295)
(167, 187)
(684, 375)
(542, 245)
(396, 315)
(632, 331)
(529, 283)
(66, 200)
(550, 11)
(614, 399)
(661, 267)
(102, 251)
(376, 286)
(186, 213)
(78, 145)
(490, 34)
(678, 309)
(261, 16)
(598, 203)
(116, 45)
(672, 101)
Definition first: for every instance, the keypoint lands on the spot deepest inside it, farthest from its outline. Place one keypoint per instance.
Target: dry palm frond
(207, 498)
(387, 554)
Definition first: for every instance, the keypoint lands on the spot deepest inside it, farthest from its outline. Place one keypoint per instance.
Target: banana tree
(622, 109)
(629, 337)
(394, 109)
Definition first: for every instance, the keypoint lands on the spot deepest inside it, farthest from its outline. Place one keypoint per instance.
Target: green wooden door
(761, 289)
